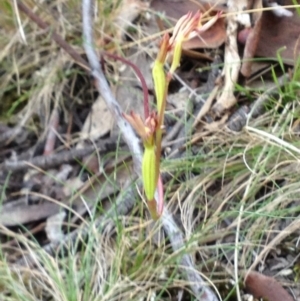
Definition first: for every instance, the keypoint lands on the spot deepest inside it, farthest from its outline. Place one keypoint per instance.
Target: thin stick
(56, 159)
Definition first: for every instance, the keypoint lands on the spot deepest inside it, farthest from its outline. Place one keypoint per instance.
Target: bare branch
(56, 159)
(103, 87)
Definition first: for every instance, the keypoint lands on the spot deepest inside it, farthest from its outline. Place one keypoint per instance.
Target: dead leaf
(54, 227)
(212, 38)
(98, 123)
(277, 33)
(252, 39)
(261, 286)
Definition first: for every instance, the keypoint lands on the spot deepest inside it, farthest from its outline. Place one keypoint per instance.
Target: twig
(55, 159)
(198, 285)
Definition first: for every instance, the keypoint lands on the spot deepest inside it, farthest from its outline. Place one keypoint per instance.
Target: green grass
(124, 261)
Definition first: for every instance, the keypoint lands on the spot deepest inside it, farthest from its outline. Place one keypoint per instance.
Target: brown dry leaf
(279, 32)
(261, 286)
(98, 123)
(212, 38)
(252, 39)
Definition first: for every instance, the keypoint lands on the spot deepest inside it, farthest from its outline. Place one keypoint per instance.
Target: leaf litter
(205, 182)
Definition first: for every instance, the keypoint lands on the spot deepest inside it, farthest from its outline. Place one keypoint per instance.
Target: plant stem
(141, 77)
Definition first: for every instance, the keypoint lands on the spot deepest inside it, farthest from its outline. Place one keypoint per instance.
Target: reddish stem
(153, 209)
(139, 75)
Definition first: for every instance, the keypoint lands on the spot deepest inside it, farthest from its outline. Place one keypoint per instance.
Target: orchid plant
(150, 130)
